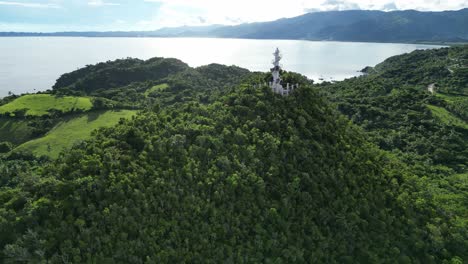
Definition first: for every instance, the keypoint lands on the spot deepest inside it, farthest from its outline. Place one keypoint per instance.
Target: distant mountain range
(353, 25)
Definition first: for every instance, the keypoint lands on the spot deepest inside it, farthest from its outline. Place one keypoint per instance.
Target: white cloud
(29, 4)
(101, 3)
(388, 5)
(204, 12)
(337, 5)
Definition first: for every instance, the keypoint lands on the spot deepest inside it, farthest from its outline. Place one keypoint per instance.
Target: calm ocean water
(33, 64)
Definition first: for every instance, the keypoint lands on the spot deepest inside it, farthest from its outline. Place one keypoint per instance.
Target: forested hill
(359, 25)
(415, 106)
(251, 177)
(118, 73)
(446, 68)
(351, 25)
(395, 105)
(213, 169)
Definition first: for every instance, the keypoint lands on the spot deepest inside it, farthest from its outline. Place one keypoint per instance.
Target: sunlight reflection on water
(30, 63)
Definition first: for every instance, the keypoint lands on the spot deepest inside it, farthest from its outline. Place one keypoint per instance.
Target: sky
(129, 15)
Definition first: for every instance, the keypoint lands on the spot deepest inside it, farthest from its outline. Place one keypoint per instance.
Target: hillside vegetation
(71, 131)
(448, 118)
(447, 68)
(118, 73)
(262, 177)
(393, 104)
(156, 88)
(33, 116)
(215, 169)
(14, 131)
(428, 131)
(45, 104)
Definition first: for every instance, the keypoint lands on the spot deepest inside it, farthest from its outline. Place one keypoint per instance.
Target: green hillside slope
(391, 104)
(447, 68)
(427, 131)
(214, 168)
(446, 117)
(42, 104)
(156, 88)
(118, 73)
(251, 177)
(14, 131)
(71, 131)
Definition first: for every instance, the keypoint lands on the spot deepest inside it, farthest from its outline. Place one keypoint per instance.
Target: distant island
(353, 25)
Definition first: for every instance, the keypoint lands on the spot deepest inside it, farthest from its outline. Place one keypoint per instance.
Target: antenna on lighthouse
(277, 58)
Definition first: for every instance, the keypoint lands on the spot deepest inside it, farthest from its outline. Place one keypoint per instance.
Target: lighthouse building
(276, 84)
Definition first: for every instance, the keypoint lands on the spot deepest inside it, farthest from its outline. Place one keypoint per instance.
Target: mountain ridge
(379, 26)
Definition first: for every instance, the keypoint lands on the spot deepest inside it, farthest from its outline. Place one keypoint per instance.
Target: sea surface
(31, 64)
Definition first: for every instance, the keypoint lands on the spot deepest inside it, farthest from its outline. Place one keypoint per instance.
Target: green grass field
(14, 130)
(67, 133)
(451, 194)
(448, 118)
(155, 88)
(451, 98)
(39, 104)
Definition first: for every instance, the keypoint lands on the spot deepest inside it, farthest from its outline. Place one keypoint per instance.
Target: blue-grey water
(29, 64)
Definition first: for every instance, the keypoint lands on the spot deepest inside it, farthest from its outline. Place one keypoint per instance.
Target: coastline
(103, 35)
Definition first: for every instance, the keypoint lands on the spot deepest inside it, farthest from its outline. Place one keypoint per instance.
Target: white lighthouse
(275, 71)
(276, 85)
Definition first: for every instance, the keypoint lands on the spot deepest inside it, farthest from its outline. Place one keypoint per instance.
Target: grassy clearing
(40, 104)
(155, 88)
(451, 194)
(14, 130)
(452, 98)
(447, 117)
(456, 104)
(67, 133)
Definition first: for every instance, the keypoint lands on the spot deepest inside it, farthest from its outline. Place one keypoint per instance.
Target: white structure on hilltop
(276, 85)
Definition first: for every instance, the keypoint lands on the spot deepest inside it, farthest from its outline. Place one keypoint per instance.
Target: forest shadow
(92, 116)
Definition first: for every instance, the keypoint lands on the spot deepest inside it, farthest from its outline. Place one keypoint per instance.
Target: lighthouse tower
(276, 85)
(275, 71)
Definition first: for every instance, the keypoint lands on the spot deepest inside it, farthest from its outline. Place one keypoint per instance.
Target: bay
(31, 64)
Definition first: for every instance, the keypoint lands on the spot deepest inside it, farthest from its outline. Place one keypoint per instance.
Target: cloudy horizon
(123, 15)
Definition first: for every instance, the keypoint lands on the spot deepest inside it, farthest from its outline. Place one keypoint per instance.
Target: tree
(20, 113)
(5, 147)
